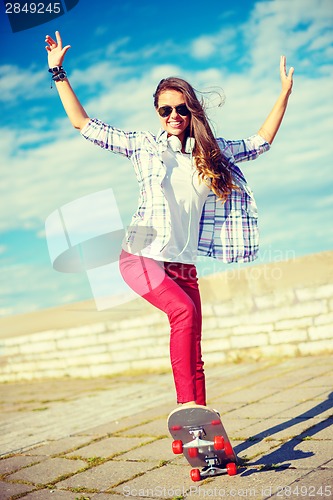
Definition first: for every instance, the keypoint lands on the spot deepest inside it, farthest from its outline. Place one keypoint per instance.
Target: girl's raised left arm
(272, 123)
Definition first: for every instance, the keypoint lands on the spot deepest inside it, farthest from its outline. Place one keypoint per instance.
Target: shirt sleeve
(245, 149)
(111, 138)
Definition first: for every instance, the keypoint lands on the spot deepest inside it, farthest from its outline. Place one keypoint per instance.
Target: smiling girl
(193, 200)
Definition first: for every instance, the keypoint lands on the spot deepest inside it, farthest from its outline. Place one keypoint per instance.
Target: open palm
(56, 52)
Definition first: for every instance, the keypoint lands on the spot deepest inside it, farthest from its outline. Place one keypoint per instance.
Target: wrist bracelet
(58, 74)
(56, 69)
(58, 77)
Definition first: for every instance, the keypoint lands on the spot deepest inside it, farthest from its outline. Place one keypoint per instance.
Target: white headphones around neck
(189, 146)
(176, 145)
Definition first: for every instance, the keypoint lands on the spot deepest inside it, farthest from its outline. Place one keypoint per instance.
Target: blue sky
(119, 53)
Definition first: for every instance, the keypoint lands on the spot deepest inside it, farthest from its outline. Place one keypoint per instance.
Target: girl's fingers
(50, 41)
(58, 37)
(55, 44)
(290, 74)
(283, 65)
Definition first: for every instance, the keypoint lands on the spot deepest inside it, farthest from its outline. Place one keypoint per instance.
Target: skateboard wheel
(218, 442)
(177, 447)
(195, 475)
(228, 450)
(232, 469)
(193, 452)
(216, 422)
(176, 427)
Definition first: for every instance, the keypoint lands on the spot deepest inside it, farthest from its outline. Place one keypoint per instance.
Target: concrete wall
(280, 309)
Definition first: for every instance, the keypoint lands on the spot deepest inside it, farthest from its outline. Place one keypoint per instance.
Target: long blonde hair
(212, 166)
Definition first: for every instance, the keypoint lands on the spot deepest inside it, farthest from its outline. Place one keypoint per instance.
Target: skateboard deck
(199, 434)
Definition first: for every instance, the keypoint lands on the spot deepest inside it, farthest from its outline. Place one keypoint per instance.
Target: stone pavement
(106, 439)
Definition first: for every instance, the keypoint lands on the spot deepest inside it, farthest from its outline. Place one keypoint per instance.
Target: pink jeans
(173, 288)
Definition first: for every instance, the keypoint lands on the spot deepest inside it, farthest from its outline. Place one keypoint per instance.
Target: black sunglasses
(181, 109)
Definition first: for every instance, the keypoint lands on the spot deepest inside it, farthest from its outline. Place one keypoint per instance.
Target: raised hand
(56, 52)
(273, 121)
(286, 79)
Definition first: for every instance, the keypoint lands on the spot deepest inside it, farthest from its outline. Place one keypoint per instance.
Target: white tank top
(186, 194)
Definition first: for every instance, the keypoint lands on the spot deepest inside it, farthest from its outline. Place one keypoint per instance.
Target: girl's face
(178, 120)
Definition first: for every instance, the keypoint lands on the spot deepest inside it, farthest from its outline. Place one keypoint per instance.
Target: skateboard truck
(214, 468)
(197, 441)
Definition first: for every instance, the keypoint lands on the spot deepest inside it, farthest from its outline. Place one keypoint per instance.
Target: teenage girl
(193, 201)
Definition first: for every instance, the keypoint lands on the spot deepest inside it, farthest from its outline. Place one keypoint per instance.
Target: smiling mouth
(175, 124)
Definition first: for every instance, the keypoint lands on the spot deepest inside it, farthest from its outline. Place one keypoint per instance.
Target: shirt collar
(162, 137)
(162, 140)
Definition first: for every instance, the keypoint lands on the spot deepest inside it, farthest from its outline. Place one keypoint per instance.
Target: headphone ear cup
(175, 144)
(190, 142)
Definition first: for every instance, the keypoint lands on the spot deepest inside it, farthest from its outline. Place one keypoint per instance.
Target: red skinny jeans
(173, 288)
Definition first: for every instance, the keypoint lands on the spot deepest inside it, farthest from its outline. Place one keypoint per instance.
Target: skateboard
(199, 435)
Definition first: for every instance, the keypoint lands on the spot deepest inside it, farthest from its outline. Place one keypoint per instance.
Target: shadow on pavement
(287, 452)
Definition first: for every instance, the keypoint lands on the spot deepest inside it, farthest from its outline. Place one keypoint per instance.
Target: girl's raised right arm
(75, 111)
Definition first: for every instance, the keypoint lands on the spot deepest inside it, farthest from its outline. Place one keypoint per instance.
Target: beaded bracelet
(58, 74)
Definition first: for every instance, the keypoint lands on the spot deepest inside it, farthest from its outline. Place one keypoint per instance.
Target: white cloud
(221, 45)
(44, 166)
(27, 287)
(17, 84)
(278, 27)
(203, 47)
(38, 172)
(35, 183)
(114, 47)
(101, 74)
(43, 178)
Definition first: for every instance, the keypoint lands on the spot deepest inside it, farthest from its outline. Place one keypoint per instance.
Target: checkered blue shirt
(228, 231)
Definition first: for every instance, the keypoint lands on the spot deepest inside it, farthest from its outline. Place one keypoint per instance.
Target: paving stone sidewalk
(106, 439)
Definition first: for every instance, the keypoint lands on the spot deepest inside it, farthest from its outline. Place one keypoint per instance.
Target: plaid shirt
(228, 231)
